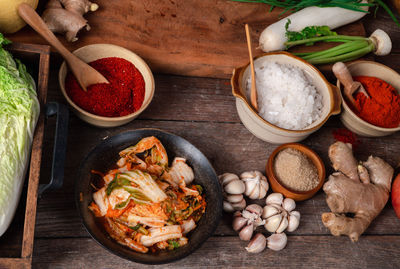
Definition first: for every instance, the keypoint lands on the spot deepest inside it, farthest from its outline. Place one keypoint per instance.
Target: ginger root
(361, 189)
(66, 16)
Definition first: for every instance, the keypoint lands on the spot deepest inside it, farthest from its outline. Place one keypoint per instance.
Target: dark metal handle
(60, 146)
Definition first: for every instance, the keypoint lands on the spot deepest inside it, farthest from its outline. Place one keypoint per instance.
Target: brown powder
(295, 170)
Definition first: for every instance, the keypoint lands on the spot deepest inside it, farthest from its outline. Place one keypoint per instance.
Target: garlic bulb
(247, 221)
(233, 189)
(279, 215)
(256, 184)
(277, 241)
(257, 244)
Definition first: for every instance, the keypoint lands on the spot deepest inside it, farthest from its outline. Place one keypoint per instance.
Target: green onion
(173, 244)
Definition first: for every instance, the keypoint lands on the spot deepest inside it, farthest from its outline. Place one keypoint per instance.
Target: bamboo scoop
(84, 73)
(350, 86)
(253, 93)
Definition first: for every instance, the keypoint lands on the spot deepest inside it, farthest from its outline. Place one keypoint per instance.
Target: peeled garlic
(256, 184)
(233, 188)
(257, 244)
(277, 241)
(278, 214)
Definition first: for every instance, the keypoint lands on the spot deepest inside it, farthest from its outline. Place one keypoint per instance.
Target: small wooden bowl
(278, 187)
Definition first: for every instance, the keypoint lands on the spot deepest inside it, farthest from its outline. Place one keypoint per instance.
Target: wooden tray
(203, 38)
(33, 52)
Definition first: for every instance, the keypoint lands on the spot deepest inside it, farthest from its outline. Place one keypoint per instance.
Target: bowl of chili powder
(130, 91)
(378, 115)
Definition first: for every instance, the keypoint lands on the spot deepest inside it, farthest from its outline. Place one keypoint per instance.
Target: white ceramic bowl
(349, 118)
(97, 51)
(331, 100)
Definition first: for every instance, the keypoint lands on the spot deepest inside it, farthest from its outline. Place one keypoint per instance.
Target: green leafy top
(308, 32)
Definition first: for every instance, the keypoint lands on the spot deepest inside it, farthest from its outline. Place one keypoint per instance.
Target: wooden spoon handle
(253, 92)
(343, 75)
(29, 15)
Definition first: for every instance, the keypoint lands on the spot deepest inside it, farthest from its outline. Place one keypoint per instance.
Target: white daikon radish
(273, 37)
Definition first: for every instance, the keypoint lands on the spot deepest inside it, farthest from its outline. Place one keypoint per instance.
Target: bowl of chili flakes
(129, 93)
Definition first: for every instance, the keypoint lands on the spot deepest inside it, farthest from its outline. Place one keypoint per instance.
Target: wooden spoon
(342, 73)
(253, 93)
(84, 73)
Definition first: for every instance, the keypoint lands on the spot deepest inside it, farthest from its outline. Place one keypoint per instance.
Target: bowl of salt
(294, 99)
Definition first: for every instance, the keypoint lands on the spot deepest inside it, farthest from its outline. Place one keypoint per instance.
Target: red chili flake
(124, 95)
(346, 136)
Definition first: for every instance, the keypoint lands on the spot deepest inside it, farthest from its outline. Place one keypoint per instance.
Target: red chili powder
(124, 95)
(346, 136)
(383, 107)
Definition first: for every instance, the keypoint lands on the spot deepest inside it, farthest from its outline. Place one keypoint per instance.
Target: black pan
(105, 155)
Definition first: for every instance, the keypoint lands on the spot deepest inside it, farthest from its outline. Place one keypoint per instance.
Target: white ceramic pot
(331, 100)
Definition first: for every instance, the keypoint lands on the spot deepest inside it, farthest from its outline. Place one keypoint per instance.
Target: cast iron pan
(105, 155)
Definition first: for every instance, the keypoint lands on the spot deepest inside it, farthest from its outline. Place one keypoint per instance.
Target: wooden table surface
(202, 110)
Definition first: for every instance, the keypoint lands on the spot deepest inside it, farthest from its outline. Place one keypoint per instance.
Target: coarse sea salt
(285, 96)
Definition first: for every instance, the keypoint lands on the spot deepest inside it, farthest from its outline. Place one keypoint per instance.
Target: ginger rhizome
(66, 16)
(361, 189)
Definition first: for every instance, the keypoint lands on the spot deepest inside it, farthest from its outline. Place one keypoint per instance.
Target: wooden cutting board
(193, 38)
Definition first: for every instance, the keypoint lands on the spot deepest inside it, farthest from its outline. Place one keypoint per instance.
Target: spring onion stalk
(353, 48)
(146, 184)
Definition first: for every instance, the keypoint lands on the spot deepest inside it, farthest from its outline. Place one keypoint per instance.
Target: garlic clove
(234, 198)
(227, 177)
(272, 223)
(237, 214)
(258, 222)
(240, 205)
(277, 241)
(263, 189)
(269, 210)
(284, 224)
(228, 207)
(257, 244)
(255, 193)
(238, 223)
(289, 204)
(296, 214)
(247, 232)
(235, 187)
(256, 184)
(251, 185)
(293, 223)
(274, 198)
(254, 208)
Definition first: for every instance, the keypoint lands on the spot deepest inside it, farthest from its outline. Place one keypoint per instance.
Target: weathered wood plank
(229, 147)
(193, 38)
(193, 99)
(301, 252)
(58, 217)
